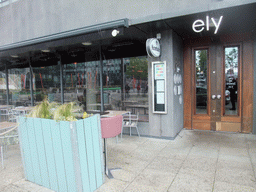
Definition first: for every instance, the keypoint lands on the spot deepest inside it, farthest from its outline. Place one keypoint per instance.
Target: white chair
(131, 121)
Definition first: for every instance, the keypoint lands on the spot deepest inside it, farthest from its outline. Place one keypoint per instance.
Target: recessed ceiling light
(45, 50)
(14, 56)
(87, 43)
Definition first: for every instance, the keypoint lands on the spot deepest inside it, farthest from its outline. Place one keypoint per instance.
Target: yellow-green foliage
(55, 111)
(66, 111)
(85, 115)
(43, 110)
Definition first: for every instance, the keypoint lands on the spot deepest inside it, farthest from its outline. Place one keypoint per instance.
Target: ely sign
(199, 25)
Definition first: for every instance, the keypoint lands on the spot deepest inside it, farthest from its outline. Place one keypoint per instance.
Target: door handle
(218, 96)
(213, 96)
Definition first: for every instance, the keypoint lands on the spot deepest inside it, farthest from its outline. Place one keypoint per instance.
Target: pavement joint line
(180, 167)
(143, 169)
(253, 170)
(216, 169)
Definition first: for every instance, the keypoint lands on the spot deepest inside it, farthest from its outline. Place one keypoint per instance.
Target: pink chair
(110, 127)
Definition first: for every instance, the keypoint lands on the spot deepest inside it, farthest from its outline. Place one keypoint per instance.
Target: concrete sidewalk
(194, 161)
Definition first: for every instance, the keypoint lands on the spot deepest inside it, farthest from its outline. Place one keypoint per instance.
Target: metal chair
(8, 136)
(131, 121)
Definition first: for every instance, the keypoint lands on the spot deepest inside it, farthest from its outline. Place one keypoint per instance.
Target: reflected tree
(138, 68)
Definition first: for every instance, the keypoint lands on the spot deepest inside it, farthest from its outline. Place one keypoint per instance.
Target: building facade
(89, 51)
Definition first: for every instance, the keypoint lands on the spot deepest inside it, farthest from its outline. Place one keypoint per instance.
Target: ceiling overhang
(130, 42)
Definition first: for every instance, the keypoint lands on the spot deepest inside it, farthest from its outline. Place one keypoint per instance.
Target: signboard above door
(200, 25)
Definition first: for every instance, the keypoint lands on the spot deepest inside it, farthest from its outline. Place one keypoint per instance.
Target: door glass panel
(201, 81)
(231, 78)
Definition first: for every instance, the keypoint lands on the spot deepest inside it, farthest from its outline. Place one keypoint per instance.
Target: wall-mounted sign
(153, 47)
(159, 87)
(199, 25)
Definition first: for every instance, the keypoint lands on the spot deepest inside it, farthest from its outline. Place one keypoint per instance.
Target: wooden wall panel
(202, 125)
(247, 87)
(187, 88)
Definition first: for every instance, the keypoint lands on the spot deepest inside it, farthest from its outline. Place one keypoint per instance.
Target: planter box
(62, 156)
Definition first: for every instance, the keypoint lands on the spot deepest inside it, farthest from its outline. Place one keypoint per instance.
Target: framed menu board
(159, 87)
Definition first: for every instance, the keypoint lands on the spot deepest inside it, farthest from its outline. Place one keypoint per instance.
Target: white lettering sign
(199, 25)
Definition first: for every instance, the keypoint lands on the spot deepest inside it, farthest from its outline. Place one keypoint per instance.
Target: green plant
(65, 112)
(47, 110)
(43, 110)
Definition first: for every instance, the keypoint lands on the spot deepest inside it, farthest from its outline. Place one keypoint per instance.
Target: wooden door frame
(245, 40)
(229, 118)
(200, 119)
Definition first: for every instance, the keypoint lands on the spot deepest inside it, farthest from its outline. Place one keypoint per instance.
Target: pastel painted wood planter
(62, 156)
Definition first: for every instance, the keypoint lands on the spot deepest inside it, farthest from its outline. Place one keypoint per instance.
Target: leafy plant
(43, 110)
(86, 115)
(64, 112)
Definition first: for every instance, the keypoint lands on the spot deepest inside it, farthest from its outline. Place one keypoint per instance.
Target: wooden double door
(218, 87)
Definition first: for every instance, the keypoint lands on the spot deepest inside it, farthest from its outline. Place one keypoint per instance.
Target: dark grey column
(7, 85)
(101, 82)
(61, 81)
(171, 52)
(31, 82)
(122, 82)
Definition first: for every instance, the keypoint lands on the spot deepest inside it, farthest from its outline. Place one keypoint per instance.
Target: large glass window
(125, 85)
(47, 83)
(3, 100)
(82, 84)
(136, 86)
(231, 80)
(19, 86)
(201, 81)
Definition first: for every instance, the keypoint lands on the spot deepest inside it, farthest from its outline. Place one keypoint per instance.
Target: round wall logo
(153, 47)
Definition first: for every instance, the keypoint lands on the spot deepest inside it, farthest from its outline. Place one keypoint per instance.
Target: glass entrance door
(216, 88)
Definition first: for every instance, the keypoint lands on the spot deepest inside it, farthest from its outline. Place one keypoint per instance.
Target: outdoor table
(134, 107)
(22, 110)
(6, 106)
(6, 125)
(98, 105)
(112, 113)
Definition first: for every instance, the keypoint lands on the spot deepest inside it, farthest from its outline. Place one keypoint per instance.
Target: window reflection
(136, 87)
(82, 84)
(3, 100)
(47, 83)
(125, 85)
(201, 81)
(19, 93)
(231, 78)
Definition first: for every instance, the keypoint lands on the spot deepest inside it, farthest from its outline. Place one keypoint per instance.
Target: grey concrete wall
(178, 102)
(27, 19)
(168, 125)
